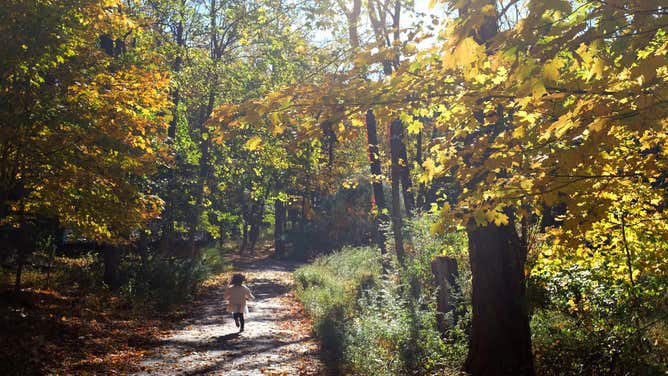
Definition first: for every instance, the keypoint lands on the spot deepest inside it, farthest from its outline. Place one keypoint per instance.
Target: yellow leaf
(500, 218)
(253, 143)
(466, 53)
(551, 70)
(538, 90)
(357, 123)
(526, 184)
(480, 217)
(414, 127)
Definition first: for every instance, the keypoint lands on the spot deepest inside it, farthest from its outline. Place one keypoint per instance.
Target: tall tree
(541, 108)
(81, 128)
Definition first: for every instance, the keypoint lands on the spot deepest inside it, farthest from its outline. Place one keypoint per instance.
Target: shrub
(591, 324)
(328, 289)
(165, 282)
(373, 324)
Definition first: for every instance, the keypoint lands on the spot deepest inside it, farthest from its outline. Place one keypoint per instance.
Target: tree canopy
(534, 129)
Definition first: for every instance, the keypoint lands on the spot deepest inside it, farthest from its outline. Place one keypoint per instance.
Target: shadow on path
(276, 340)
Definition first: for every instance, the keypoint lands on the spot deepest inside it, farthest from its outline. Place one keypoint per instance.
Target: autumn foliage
(144, 133)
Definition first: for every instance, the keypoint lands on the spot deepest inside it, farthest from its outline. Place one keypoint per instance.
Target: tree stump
(445, 273)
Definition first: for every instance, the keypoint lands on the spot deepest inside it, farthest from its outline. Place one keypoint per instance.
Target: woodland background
(480, 186)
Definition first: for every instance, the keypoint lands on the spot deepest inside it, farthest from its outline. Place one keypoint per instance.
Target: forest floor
(276, 340)
(64, 330)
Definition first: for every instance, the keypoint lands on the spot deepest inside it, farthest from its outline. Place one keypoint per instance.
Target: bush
(164, 282)
(585, 319)
(592, 324)
(391, 335)
(328, 288)
(382, 325)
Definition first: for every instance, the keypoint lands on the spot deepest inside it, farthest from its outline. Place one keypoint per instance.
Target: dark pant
(239, 317)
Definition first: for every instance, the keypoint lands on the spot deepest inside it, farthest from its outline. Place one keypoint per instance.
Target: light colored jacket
(236, 298)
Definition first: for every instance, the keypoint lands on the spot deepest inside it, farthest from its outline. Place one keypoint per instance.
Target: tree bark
(244, 236)
(352, 15)
(376, 176)
(420, 200)
(203, 172)
(500, 342)
(279, 228)
(397, 221)
(168, 224)
(22, 255)
(245, 219)
(24, 245)
(445, 273)
(255, 225)
(111, 256)
(142, 249)
(404, 169)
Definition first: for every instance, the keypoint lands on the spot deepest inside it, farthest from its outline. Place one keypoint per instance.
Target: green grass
(213, 258)
(365, 323)
(334, 280)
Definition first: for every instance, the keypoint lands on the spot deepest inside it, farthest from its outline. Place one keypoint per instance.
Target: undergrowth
(583, 321)
(370, 323)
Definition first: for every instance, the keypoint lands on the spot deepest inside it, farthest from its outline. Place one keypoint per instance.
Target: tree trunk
(111, 257)
(404, 169)
(279, 228)
(376, 176)
(168, 214)
(245, 219)
(397, 222)
(52, 258)
(24, 247)
(420, 200)
(500, 336)
(353, 17)
(203, 171)
(302, 216)
(142, 249)
(255, 225)
(22, 255)
(500, 343)
(445, 273)
(244, 236)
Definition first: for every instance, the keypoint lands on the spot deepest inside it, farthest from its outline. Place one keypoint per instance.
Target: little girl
(236, 296)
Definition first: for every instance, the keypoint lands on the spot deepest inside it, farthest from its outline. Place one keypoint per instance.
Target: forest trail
(276, 340)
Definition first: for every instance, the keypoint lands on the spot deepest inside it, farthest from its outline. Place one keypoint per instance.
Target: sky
(421, 7)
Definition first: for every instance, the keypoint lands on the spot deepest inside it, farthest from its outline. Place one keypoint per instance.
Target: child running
(237, 294)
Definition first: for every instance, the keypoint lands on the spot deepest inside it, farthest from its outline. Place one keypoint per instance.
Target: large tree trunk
(500, 336)
(500, 343)
(279, 228)
(244, 236)
(420, 199)
(203, 172)
(25, 246)
(378, 200)
(245, 220)
(352, 15)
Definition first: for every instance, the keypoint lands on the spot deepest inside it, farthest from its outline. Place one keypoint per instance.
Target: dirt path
(276, 340)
